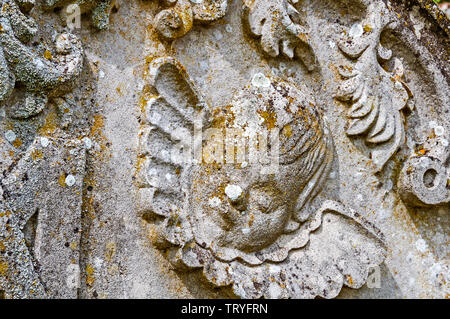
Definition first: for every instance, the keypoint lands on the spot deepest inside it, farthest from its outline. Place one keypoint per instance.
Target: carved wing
(166, 146)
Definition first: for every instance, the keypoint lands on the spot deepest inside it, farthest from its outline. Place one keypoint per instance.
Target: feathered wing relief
(242, 225)
(376, 96)
(166, 147)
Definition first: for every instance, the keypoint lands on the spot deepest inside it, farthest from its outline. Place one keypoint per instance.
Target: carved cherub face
(240, 207)
(243, 204)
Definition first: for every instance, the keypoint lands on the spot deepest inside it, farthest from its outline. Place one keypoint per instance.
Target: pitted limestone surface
(224, 148)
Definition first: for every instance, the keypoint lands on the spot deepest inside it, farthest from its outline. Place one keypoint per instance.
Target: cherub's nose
(237, 196)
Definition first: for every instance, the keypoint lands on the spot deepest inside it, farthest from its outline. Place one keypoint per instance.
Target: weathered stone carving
(376, 96)
(18, 278)
(43, 73)
(423, 182)
(278, 23)
(46, 183)
(179, 18)
(40, 199)
(263, 184)
(245, 224)
(100, 9)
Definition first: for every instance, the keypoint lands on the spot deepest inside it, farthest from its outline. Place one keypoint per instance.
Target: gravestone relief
(224, 148)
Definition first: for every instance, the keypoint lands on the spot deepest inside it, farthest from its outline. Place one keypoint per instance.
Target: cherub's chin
(251, 234)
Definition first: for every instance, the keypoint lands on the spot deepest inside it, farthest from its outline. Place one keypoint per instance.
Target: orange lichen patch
(97, 134)
(119, 91)
(110, 251)
(145, 97)
(291, 100)
(9, 125)
(304, 37)
(62, 180)
(3, 268)
(88, 207)
(98, 125)
(73, 245)
(149, 59)
(6, 213)
(17, 143)
(50, 124)
(287, 131)
(219, 119)
(367, 28)
(335, 70)
(140, 165)
(48, 55)
(36, 154)
(224, 117)
(90, 275)
(270, 118)
(252, 219)
(350, 280)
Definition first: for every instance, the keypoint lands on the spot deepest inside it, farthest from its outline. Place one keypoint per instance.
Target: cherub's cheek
(261, 202)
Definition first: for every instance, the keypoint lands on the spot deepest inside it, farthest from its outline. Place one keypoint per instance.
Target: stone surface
(210, 149)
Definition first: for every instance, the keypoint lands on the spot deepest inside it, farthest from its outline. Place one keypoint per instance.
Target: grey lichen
(100, 9)
(43, 73)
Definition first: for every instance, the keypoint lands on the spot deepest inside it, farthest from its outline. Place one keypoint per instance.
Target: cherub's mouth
(251, 230)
